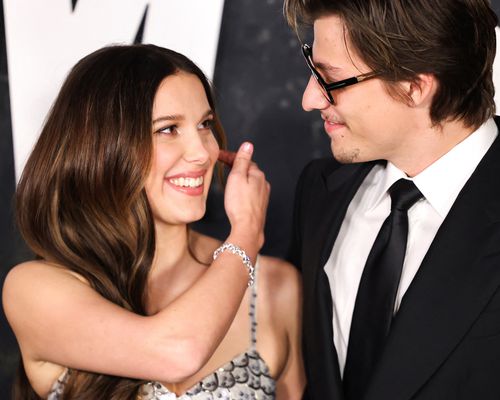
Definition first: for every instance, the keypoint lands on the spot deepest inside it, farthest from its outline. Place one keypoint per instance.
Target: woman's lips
(189, 183)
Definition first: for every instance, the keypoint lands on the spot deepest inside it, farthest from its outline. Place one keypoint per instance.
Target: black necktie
(374, 307)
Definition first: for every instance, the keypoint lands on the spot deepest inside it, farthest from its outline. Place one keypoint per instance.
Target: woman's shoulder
(25, 272)
(278, 269)
(37, 270)
(34, 283)
(279, 280)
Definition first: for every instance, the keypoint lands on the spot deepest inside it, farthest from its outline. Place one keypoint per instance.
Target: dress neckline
(218, 378)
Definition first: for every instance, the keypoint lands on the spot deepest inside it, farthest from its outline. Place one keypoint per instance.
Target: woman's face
(184, 151)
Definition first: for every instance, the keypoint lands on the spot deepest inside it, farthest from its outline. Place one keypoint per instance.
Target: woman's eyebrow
(174, 117)
(180, 117)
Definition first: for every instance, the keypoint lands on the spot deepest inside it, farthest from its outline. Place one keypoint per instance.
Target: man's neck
(429, 145)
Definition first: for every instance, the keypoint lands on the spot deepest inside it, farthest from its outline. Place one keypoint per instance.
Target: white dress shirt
(440, 184)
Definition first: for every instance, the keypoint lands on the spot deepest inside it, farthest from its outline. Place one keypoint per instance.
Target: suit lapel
(454, 283)
(331, 202)
(341, 187)
(330, 205)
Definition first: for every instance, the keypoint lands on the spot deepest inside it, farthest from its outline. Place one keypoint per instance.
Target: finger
(243, 157)
(256, 173)
(252, 165)
(227, 157)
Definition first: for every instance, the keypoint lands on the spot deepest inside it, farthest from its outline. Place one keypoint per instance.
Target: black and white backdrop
(244, 46)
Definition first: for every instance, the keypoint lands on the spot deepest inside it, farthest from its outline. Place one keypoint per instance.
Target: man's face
(365, 123)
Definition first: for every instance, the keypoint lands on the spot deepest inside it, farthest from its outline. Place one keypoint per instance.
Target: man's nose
(313, 98)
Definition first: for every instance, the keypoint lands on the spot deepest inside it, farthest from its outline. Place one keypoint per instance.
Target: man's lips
(332, 125)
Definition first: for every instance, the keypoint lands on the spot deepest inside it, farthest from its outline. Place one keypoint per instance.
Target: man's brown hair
(454, 40)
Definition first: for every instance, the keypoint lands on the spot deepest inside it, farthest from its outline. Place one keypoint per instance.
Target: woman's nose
(195, 149)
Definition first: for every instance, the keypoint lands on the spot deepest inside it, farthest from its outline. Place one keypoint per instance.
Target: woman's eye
(167, 130)
(207, 124)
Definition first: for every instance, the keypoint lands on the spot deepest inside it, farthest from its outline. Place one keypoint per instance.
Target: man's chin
(346, 156)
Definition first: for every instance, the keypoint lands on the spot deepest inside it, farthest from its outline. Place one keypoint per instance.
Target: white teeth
(187, 182)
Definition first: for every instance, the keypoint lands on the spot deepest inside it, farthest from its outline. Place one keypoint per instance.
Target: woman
(124, 301)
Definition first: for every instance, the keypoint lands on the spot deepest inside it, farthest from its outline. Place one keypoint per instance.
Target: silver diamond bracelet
(244, 258)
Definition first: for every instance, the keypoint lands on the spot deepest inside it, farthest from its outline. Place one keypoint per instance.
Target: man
(398, 235)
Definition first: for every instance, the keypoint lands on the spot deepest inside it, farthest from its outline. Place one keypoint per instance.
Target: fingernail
(247, 147)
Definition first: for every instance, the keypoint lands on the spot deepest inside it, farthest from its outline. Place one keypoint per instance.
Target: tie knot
(404, 194)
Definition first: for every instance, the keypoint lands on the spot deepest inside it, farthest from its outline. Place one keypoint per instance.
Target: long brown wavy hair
(81, 201)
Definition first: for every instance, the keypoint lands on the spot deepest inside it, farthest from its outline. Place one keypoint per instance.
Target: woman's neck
(171, 246)
(174, 270)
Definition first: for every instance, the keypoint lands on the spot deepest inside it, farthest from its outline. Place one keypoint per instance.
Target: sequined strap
(57, 389)
(253, 309)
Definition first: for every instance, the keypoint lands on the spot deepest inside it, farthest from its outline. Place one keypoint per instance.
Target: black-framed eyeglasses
(326, 88)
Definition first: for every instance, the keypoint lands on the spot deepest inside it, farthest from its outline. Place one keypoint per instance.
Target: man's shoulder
(323, 168)
(324, 163)
(320, 167)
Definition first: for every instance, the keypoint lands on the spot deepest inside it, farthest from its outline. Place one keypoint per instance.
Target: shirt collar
(441, 182)
(382, 179)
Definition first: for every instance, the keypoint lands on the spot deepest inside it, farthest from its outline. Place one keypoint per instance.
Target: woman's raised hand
(246, 198)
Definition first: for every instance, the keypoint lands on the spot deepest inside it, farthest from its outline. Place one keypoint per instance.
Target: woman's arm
(58, 318)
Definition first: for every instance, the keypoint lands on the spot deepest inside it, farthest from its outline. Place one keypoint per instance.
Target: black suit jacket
(445, 340)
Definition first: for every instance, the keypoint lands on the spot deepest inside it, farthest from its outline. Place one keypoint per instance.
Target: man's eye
(329, 78)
